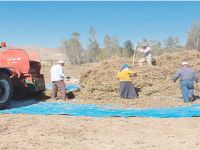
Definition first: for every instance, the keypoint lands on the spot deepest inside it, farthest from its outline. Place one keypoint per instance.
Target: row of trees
(193, 36)
(111, 47)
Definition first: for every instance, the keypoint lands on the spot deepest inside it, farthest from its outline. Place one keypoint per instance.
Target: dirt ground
(22, 132)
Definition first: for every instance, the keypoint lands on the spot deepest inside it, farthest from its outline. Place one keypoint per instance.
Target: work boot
(191, 98)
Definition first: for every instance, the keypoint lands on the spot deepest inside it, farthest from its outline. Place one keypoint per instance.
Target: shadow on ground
(30, 100)
(34, 99)
(22, 103)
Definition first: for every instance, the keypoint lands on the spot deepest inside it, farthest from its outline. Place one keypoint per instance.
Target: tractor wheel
(5, 90)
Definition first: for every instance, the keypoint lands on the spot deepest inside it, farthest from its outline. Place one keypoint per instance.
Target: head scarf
(124, 66)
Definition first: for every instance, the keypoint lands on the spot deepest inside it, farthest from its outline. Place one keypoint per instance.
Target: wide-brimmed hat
(61, 62)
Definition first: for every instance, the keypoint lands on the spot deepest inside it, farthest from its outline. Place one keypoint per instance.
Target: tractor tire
(5, 90)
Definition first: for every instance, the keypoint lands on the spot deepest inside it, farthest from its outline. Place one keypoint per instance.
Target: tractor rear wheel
(5, 90)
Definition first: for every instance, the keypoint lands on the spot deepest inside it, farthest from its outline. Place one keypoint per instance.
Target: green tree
(127, 48)
(73, 48)
(93, 47)
(111, 46)
(171, 43)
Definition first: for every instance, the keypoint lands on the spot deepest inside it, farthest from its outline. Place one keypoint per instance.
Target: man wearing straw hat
(187, 76)
(57, 78)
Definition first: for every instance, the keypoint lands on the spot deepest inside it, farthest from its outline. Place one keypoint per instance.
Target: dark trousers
(61, 86)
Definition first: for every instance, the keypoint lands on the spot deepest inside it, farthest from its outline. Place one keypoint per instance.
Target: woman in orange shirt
(127, 89)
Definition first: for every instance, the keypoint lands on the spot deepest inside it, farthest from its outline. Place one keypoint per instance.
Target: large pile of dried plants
(100, 83)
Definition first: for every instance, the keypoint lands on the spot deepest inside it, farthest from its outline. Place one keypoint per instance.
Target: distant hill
(48, 55)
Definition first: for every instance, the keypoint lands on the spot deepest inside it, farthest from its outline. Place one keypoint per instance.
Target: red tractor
(19, 74)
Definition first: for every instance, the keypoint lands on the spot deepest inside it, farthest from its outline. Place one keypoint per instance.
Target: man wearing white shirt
(146, 50)
(57, 78)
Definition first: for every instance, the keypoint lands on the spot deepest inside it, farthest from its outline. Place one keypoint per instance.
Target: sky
(48, 23)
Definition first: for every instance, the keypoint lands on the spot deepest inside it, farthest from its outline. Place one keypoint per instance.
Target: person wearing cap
(57, 78)
(187, 76)
(147, 56)
(127, 89)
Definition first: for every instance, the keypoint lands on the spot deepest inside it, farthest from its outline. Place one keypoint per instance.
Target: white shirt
(146, 52)
(57, 73)
(147, 49)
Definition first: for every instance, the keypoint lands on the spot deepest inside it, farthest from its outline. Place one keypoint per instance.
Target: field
(22, 132)
(53, 132)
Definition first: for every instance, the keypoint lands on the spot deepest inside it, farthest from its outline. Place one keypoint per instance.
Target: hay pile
(100, 83)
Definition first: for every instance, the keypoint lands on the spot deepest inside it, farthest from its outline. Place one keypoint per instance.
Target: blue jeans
(187, 88)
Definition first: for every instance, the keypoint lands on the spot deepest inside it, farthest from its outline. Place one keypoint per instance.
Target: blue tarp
(66, 108)
(69, 87)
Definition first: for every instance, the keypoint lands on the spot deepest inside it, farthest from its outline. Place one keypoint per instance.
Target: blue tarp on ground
(69, 87)
(66, 108)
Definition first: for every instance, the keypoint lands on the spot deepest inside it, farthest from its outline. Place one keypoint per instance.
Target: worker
(147, 56)
(127, 89)
(57, 78)
(187, 76)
